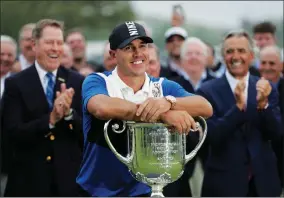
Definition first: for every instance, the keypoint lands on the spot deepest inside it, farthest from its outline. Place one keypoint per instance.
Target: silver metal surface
(156, 155)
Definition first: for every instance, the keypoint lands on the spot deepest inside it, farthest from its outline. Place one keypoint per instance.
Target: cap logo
(131, 28)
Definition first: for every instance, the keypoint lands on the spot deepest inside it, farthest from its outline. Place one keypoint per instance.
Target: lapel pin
(61, 79)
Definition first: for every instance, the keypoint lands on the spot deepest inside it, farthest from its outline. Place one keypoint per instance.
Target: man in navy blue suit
(42, 121)
(246, 118)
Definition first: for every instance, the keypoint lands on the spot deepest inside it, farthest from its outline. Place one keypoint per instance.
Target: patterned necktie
(49, 89)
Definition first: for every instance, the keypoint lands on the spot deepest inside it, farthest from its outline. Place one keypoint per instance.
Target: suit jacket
(166, 70)
(43, 160)
(240, 142)
(186, 84)
(278, 145)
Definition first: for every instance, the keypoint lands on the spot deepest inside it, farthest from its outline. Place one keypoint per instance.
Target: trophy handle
(126, 160)
(203, 133)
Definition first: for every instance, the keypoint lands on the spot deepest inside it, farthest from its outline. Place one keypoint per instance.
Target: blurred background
(208, 20)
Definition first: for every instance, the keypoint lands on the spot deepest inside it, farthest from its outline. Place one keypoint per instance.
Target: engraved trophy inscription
(156, 156)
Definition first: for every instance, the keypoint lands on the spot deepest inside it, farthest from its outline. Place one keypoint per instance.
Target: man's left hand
(263, 89)
(152, 108)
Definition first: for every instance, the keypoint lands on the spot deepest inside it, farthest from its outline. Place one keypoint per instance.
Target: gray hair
(29, 26)
(188, 42)
(238, 33)
(10, 40)
(271, 49)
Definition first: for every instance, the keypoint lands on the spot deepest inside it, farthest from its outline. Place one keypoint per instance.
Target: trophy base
(157, 190)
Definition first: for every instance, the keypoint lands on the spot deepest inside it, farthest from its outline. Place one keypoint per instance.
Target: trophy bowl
(156, 153)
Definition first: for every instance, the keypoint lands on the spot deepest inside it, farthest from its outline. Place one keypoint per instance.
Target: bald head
(270, 63)
(271, 50)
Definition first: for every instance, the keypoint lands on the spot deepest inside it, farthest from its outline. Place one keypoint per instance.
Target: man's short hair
(238, 33)
(264, 27)
(74, 30)
(40, 25)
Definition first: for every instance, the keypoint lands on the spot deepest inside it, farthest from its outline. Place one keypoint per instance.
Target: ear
(34, 43)
(112, 53)
(252, 54)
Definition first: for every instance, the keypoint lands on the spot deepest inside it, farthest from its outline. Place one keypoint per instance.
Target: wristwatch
(172, 100)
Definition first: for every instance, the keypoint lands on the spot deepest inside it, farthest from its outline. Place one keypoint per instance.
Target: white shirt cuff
(70, 115)
(51, 126)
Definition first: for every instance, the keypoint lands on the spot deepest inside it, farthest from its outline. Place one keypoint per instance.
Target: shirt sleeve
(172, 88)
(93, 85)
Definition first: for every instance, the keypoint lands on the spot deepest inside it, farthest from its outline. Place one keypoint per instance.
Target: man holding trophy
(128, 94)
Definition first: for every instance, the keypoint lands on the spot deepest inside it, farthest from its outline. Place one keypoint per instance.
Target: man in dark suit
(42, 119)
(246, 117)
(194, 74)
(193, 64)
(7, 59)
(270, 68)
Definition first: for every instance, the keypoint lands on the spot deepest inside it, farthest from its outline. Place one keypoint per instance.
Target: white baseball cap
(176, 31)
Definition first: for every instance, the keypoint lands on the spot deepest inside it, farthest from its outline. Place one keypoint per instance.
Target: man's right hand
(240, 95)
(180, 120)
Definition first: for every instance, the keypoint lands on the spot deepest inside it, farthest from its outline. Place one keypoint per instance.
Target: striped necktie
(49, 89)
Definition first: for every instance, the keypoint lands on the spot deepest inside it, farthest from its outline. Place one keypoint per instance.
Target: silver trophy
(156, 154)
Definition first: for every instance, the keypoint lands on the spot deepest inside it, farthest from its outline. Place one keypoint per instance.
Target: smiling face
(132, 59)
(194, 60)
(264, 39)
(77, 43)
(237, 55)
(154, 66)
(173, 45)
(49, 48)
(7, 59)
(26, 43)
(270, 65)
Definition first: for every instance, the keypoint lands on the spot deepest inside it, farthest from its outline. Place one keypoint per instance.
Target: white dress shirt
(24, 62)
(42, 76)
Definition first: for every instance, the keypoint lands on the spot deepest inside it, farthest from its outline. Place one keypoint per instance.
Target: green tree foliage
(95, 17)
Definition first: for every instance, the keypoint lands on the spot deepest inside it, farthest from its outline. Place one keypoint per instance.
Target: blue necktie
(49, 89)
